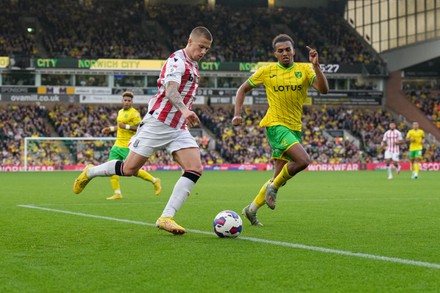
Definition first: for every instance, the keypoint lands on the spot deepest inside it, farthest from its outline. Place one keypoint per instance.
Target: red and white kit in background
(164, 125)
(392, 137)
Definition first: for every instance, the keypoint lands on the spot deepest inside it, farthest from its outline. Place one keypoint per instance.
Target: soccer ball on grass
(227, 224)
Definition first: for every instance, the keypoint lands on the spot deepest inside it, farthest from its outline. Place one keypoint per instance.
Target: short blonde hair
(128, 94)
(201, 31)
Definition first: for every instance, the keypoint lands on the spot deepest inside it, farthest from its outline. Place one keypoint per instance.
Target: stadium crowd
(427, 101)
(18, 122)
(128, 29)
(246, 144)
(367, 126)
(88, 121)
(13, 37)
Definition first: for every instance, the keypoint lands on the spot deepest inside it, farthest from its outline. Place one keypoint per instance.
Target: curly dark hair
(282, 38)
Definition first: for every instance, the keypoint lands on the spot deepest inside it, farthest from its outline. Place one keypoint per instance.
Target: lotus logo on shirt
(287, 88)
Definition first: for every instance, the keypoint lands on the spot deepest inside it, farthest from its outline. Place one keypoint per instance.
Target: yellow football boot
(115, 196)
(157, 187)
(168, 224)
(82, 180)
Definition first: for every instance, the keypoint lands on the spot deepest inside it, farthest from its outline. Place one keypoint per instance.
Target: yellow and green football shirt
(286, 90)
(418, 135)
(131, 117)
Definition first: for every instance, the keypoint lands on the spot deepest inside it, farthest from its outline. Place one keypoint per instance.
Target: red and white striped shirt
(181, 69)
(392, 137)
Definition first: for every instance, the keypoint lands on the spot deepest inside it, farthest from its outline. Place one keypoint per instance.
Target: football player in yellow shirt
(287, 85)
(416, 138)
(127, 121)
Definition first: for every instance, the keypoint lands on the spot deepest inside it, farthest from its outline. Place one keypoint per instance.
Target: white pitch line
(259, 240)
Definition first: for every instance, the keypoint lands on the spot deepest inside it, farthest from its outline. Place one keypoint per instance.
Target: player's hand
(313, 55)
(237, 120)
(105, 130)
(191, 118)
(121, 125)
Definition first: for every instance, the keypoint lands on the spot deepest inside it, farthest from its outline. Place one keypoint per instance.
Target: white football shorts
(155, 135)
(392, 156)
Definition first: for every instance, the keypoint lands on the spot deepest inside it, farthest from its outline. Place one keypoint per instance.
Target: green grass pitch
(330, 232)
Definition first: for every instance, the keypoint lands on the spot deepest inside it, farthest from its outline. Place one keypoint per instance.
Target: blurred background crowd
(359, 142)
(126, 29)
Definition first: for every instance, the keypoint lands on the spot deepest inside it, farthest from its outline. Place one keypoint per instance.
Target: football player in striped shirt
(392, 138)
(166, 125)
(287, 85)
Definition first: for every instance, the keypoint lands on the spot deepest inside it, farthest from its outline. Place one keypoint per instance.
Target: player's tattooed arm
(172, 92)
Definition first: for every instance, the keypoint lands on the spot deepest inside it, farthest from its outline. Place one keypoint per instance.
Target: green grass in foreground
(91, 250)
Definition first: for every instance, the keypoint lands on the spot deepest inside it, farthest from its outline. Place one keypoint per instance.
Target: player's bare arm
(108, 129)
(127, 126)
(239, 100)
(320, 83)
(175, 98)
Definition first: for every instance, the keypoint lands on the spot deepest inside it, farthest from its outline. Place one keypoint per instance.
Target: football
(227, 224)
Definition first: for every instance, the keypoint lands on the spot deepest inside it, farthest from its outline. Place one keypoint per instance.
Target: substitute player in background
(166, 126)
(287, 85)
(416, 138)
(392, 138)
(127, 122)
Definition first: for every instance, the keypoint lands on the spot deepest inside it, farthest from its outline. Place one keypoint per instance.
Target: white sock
(105, 169)
(181, 191)
(389, 170)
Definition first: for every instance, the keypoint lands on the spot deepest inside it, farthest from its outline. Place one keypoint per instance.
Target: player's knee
(129, 172)
(304, 162)
(198, 169)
